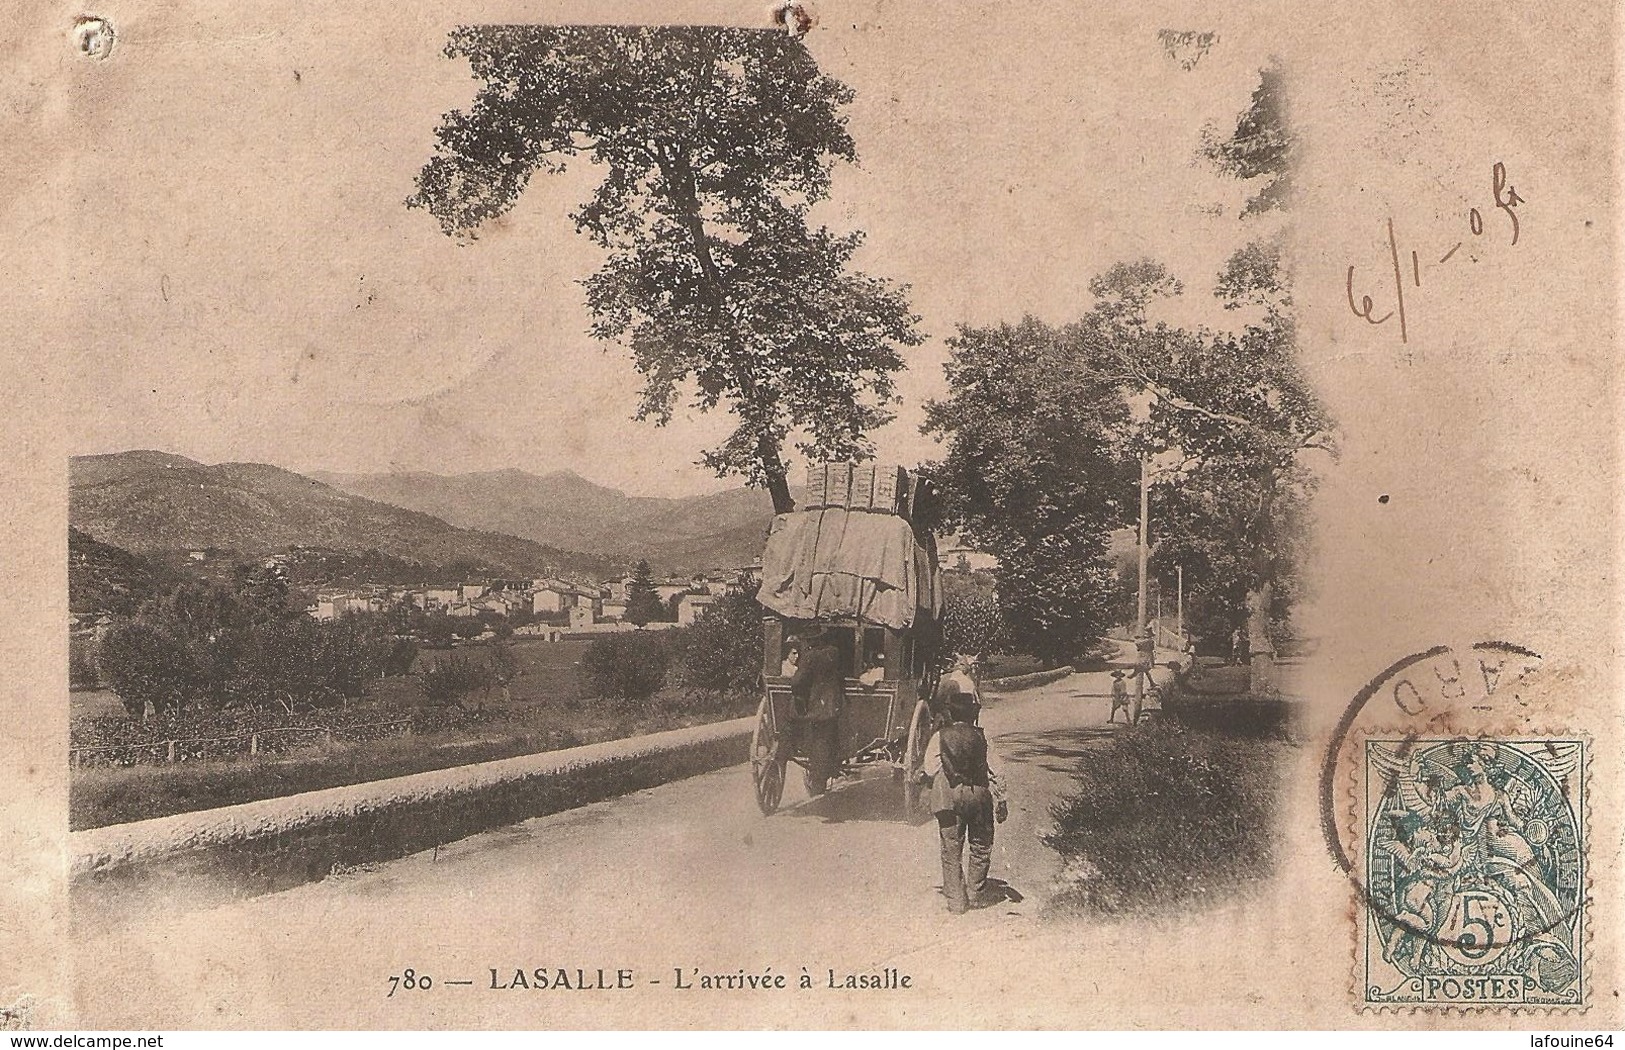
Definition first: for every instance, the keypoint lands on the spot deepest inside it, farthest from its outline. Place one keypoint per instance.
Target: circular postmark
(1460, 825)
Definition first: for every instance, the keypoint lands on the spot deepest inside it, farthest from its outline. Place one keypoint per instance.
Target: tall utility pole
(1143, 658)
(1179, 617)
(1145, 509)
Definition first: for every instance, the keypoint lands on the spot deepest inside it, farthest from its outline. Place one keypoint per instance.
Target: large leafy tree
(715, 143)
(1231, 417)
(1036, 475)
(1261, 147)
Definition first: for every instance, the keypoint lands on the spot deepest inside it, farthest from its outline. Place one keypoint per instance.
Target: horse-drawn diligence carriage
(854, 569)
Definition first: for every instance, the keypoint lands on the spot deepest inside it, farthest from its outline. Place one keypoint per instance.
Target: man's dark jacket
(817, 683)
(964, 755)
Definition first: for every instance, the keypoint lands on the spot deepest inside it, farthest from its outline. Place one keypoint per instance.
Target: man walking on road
(967, 797)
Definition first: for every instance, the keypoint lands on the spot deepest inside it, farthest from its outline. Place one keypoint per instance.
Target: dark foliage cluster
(1036, 474)
(628, 668)
(452, 680)
(1165, 817)
(642, 599)
(971, 624)
(82, 670)
(206, 648)
(721, 652)
(717, 657)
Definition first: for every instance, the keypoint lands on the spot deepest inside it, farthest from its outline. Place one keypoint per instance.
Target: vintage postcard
(818, 515)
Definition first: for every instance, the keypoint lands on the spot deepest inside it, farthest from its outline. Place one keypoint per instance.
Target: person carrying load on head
(967, 796)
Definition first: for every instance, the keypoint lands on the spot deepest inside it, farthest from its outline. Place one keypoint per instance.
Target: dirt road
(688, 876)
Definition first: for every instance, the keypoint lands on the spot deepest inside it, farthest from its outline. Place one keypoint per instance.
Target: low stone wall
(272, 844)
(1024, 681)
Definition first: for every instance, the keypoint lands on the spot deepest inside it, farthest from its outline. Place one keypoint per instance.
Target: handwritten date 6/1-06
(1506, 200)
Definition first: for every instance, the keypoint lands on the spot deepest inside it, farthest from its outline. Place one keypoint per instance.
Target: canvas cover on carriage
(837, 564)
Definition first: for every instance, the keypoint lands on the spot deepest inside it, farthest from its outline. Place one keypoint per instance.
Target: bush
(628, 667)
(722, 651)
(401, 655)
(1164, 817)
(296, 664)
(970, 624)
(437, 632)
(450, 680)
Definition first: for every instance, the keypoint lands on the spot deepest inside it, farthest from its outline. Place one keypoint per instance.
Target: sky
(217, 260)
(262, 293)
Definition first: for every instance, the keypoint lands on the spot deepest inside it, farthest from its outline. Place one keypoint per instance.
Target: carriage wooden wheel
(766, 768)
(919, 732)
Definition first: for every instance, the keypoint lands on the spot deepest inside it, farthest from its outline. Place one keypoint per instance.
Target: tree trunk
(778, 481)
(680, 180)
(1261, 653)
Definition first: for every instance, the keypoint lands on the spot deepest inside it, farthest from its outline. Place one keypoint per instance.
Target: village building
(691, 607)
(441, 597)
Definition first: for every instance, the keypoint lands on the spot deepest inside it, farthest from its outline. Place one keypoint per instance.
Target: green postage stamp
(1475, 872)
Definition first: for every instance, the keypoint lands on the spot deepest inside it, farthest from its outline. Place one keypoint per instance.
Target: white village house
(691, 607)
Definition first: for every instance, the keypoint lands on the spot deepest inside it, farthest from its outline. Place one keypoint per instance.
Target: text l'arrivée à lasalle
(684, 978)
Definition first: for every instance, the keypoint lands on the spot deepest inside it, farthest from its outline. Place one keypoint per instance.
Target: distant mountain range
(153, 503)
(563, 509)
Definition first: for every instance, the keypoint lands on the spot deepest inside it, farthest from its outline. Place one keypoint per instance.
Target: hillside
(104, 578)
(719, 530)
(151, 503)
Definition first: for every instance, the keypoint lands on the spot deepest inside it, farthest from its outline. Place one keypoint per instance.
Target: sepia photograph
(815, 516)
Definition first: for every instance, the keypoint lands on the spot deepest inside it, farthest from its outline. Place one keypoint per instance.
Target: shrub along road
(687, 876)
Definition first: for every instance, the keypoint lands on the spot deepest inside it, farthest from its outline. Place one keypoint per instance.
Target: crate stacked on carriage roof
(857, 486)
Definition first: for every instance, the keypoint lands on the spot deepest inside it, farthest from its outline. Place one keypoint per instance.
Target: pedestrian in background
(1119, 697)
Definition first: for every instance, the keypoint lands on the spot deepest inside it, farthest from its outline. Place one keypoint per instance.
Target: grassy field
(546, 670)
(1168, 817)
(543, 711)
